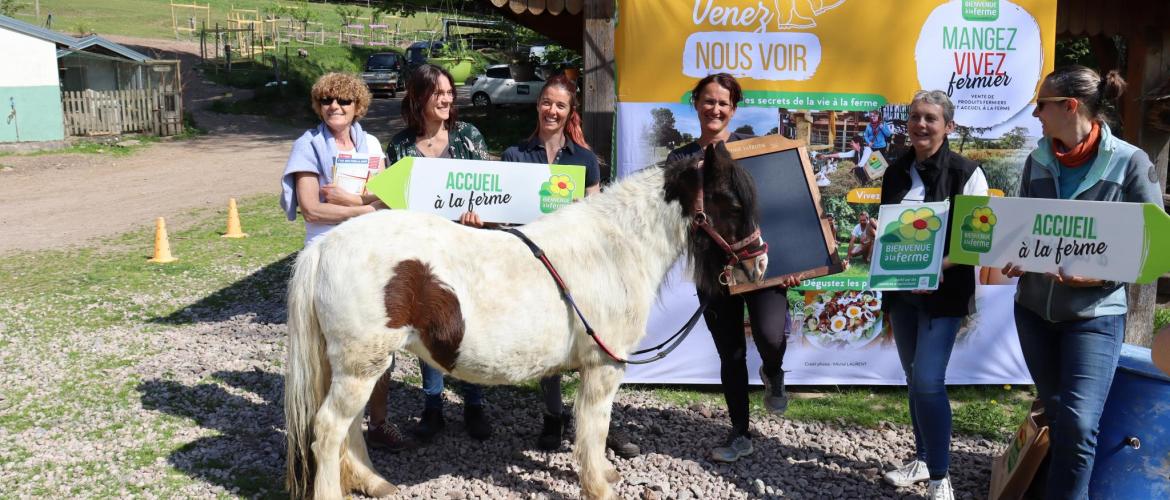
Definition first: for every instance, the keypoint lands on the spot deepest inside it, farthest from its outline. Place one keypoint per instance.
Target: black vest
(943, 175)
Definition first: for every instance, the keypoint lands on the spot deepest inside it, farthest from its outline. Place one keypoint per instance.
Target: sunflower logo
(918, 225)
(977, 230)
(982, 219)
(555, 193)
(560, 185)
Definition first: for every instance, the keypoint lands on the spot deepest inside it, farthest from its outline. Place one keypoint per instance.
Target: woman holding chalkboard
(716, 98)
(925, 324)
(432, 131)
(1071, 328)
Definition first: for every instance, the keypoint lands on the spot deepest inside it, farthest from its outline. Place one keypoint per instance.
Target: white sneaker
(906, 475)
(940, 490)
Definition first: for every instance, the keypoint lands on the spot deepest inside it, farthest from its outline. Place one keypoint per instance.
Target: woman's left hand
(1073, 281)
(337, 196)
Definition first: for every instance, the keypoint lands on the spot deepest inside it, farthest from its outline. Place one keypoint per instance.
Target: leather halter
(747, 248)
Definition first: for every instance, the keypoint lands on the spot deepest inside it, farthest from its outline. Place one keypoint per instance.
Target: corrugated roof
(122, 50)
(69, 44)
(36, 31)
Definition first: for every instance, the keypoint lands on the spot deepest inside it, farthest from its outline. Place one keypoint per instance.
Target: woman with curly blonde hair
(340, 100)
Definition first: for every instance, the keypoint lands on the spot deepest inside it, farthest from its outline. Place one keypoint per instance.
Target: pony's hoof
(382, 490)
(613, 476)
(607, 494)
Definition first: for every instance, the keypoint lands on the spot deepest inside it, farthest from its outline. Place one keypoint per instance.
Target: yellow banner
(851, 55)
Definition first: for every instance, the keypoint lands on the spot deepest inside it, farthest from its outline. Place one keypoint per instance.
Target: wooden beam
(1149, 60)
(598, 99)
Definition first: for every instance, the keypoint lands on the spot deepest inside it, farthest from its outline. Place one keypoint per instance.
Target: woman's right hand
(1011, 270)
(470, 218)
(337, 196)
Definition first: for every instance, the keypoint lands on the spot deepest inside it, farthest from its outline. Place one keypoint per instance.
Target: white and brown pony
(476, 304)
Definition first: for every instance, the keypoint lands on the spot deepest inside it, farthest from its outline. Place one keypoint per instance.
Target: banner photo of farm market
(838, 75)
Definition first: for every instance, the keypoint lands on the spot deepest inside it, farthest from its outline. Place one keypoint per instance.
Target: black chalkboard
(800, 240)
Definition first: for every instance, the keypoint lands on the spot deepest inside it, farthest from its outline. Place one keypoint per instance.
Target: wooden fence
(115, 112)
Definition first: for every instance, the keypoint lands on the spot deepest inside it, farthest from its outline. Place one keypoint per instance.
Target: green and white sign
(908, 252)
(1103, 240)
(514, 193)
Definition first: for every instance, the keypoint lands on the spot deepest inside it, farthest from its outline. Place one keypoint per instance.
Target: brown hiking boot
(387, 436)
(619, 442)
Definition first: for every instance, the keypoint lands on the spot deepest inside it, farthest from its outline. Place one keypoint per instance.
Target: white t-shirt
(976, 186)
(859, 233)
(314, 230)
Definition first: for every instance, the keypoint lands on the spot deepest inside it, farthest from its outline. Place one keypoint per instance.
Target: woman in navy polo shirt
(558, 139)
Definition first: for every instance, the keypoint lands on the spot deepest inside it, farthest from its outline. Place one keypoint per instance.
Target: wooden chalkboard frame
(826, 245)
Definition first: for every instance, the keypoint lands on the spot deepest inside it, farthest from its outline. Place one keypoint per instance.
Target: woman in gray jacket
(1071, 328)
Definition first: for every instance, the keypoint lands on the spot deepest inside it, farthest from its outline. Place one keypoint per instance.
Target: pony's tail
(307, 373)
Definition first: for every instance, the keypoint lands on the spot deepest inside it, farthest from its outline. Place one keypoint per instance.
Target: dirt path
(60, 200)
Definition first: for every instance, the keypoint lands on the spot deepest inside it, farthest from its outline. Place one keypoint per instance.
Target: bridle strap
(735, 251)
(678, 336)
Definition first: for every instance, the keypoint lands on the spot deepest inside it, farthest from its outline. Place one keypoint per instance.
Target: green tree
(412, 7)
(746, 129)
(10, 7)
(1015, 139)
(664, 132)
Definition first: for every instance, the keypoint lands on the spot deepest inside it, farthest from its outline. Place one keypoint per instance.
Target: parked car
(504, 84)
(384, 72)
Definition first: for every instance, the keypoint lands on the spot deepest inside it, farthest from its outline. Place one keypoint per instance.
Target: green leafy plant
(348, 14)
(557, 56)
(10, 7)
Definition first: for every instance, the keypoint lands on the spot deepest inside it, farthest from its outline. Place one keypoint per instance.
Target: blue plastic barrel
(1133, 448)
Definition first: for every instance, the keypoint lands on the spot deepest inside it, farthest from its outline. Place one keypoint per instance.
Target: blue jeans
(924, 347)
(433, 388)
(1072, 364)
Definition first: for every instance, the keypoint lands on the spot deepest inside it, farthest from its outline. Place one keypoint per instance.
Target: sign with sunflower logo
(1102, 240)
(909, 247)
(512, 193)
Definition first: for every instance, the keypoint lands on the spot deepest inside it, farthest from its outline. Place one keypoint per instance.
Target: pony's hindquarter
(306, 374)
(326, 450)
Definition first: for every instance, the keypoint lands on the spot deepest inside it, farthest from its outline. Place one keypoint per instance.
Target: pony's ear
(709, 156)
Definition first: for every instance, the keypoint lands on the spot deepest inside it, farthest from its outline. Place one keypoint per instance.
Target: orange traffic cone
(162, 246)
(233, 226)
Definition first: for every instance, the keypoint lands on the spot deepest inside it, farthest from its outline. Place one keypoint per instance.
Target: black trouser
(768, 312)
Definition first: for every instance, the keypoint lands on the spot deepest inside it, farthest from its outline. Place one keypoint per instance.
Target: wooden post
(1149, 56)
(599, 95)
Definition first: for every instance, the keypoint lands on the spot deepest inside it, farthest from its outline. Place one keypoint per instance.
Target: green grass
(987, 411)
(116, 286)
(87, 146)
(1161, 318)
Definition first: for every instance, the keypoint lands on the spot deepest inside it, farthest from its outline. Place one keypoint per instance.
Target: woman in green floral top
(433, 132)
(431, 128)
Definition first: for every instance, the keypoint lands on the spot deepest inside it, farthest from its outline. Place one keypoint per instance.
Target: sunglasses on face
(1041, 101)
(325, 101)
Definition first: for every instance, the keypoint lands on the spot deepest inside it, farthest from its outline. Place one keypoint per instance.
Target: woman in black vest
(925, 323)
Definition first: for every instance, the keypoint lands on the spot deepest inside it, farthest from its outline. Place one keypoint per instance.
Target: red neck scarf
(1081, 153)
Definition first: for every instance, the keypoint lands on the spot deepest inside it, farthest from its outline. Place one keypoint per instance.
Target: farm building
(88, 86)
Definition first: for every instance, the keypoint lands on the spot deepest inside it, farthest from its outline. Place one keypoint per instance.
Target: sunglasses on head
(325, 101)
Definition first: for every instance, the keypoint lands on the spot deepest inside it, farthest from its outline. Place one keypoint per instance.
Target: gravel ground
(190, 406)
